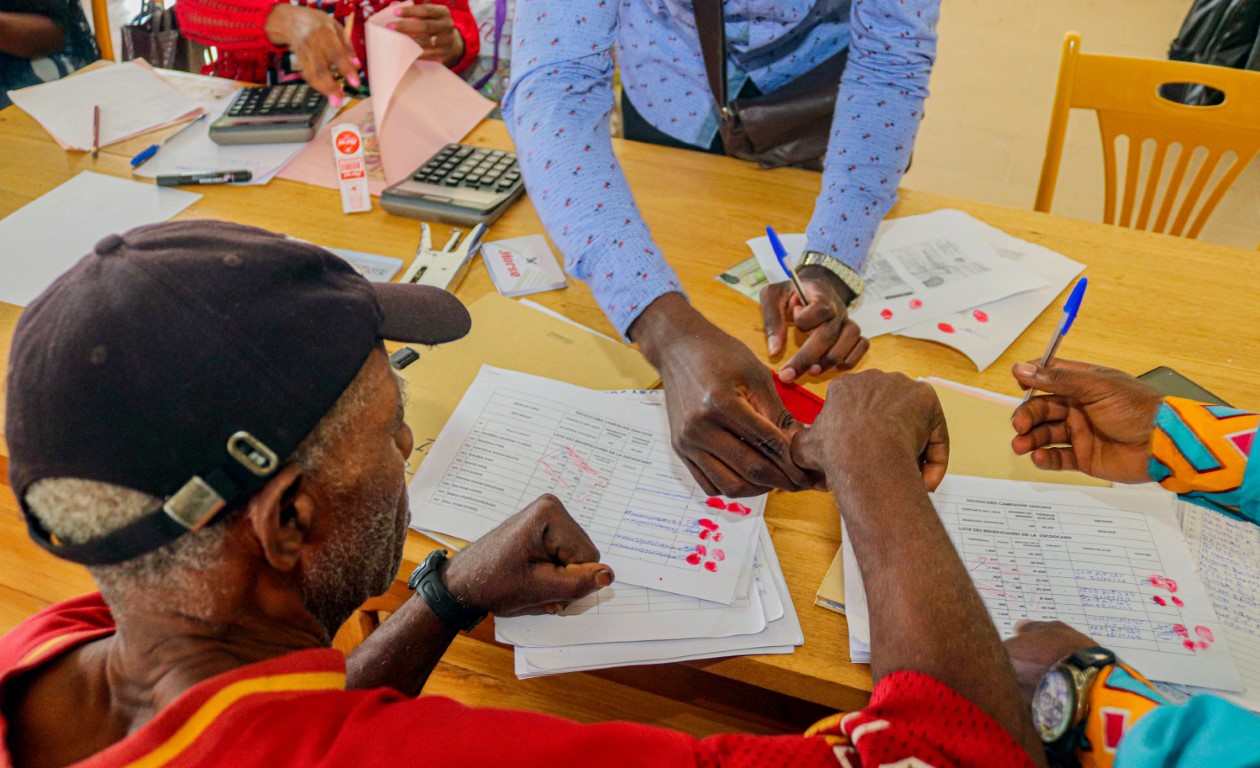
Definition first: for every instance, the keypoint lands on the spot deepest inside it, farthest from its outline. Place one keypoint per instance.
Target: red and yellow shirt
(295, 711)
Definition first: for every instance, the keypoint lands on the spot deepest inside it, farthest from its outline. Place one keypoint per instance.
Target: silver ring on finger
(433, 41)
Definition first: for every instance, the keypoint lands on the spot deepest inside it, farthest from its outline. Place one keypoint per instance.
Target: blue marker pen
(780, 253)
(1070, 309)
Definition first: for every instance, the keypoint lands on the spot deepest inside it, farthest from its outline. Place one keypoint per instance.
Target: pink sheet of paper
(416, 108)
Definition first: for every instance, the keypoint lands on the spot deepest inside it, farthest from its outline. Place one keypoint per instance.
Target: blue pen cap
(1073, 304)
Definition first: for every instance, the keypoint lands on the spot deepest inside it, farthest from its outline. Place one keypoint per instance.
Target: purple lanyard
(500, 16)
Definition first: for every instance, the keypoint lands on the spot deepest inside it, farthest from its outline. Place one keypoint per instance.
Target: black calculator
(461, 184)
(271, 114)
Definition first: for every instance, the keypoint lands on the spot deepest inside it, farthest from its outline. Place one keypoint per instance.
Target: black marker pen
(209, 177)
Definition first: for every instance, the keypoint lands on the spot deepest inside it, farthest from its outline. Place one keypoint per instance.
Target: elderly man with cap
(204, 415)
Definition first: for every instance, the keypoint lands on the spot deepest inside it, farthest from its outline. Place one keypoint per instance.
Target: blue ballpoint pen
(148, 153)
(1070, 309)
(780, 253)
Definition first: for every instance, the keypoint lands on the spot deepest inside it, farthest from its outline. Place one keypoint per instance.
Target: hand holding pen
(815, 304)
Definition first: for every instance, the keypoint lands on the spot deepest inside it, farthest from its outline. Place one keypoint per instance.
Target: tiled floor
(985, 128)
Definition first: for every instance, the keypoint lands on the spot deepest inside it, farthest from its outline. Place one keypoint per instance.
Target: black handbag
(153, 35)
(787, 127)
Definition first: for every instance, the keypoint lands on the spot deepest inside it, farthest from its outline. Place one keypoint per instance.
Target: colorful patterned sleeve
(1200, 452)
(557, 110)
(892, 49)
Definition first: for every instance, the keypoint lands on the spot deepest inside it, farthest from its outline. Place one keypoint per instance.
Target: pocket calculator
(270, 114)
(461, 184)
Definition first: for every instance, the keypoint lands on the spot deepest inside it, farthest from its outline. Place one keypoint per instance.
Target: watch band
(426, 580)
(850, 278)
(1082, 669)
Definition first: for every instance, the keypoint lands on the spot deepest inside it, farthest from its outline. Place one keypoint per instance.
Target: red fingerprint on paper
(945, 327)
(1205, 633)
(717, 537)
(886, 313)
(715, 502)
(738, 509)
(1189, 644)
(708, 524)
(1204, 646)
(980, 315)
(711, 567)
(1177, 602)
(915, 303)
(1159, 600)
(1163, 582)
(693, 558)
(720, 555)
(702, 549)
(704, 534)
(1181, 630)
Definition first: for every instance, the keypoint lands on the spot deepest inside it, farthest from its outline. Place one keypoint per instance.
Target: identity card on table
(514, 437)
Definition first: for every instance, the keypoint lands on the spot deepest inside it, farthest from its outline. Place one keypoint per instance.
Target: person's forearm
(892, 49)
(402, 652)
(925, 614)
(229, 25)
(665, 318)
(30, 35)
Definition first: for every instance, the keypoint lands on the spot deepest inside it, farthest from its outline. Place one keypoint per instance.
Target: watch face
(1053, 705)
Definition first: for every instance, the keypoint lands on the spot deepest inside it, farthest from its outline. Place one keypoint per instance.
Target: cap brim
(420, 314)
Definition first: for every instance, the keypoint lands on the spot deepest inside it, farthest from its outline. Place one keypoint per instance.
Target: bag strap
(500, 17)
(711, 24)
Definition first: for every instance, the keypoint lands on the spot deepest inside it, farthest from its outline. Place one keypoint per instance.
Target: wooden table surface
(1153, 300)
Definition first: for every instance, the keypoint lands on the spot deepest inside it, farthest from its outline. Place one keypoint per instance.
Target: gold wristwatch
(851, 279)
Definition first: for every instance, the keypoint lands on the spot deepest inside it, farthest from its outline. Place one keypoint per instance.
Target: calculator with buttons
(270, 114)
(461, 184)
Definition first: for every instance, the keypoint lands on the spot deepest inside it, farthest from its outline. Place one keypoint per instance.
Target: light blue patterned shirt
(560, 99)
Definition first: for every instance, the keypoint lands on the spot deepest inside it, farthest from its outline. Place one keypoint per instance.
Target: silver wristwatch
(851, 279)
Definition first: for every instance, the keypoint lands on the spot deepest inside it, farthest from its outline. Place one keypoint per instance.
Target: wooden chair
(100, 22)
(1216, 141)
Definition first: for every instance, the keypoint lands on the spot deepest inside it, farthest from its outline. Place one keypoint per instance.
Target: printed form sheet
(515, 437)
(1110, 562)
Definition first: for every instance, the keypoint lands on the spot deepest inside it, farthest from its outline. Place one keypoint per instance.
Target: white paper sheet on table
(50, 234)
(779, 637)
(193, 152)
(374, 267)
(515, 437)
(1110, 562)
(417, 107)
(983, 333)
(133, 99)
(920, 268)
(1226, 553)
(624, 613)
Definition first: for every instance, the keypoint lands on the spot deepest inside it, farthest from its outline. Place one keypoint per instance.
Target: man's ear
(282, 515)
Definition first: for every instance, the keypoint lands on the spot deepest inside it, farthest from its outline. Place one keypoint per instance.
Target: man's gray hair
(76, 510)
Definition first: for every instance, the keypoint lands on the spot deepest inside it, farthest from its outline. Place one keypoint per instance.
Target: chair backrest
(1206, 147)
(100, 22)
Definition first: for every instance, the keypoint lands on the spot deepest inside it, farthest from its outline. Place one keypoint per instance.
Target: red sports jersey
(295, 711)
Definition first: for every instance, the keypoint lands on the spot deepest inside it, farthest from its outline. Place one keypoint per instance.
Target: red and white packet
(351, 168)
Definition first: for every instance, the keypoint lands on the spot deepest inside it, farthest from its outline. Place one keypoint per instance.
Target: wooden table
(1153, 300)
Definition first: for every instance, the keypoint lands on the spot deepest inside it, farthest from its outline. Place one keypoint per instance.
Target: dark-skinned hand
(537, 561)
(871, 418)
(834, 341)
(1038, 645)
(320, 44)
(433, 29)
(1098, 420)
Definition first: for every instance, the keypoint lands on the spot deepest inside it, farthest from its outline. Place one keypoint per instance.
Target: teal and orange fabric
(1200, 452)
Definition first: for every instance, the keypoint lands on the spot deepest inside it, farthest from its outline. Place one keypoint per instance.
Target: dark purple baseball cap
(187, 360)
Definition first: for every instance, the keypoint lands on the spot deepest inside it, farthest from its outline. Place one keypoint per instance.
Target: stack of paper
(1110, 562)
(943, 276)
(131, 96)
(696, 574)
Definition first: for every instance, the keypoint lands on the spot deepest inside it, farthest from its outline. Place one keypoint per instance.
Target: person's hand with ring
(433, 29)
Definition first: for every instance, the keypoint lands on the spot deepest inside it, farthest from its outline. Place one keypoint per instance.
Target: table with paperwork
(1154, 300)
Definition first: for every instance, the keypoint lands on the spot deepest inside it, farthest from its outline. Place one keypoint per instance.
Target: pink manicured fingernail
(391, 25)
(356, 61)
(398, 11)
(353, 80)
(335, 101)
(786, 375)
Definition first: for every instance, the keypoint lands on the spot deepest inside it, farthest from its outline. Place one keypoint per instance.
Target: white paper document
(514, 437)
(1110, 562)
(781, 635)
(378, 269)
(37, 244)
(133, 99)
(983, 333)
(1227, 554)
(623, 613)
(523, 265)
(920, 268)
